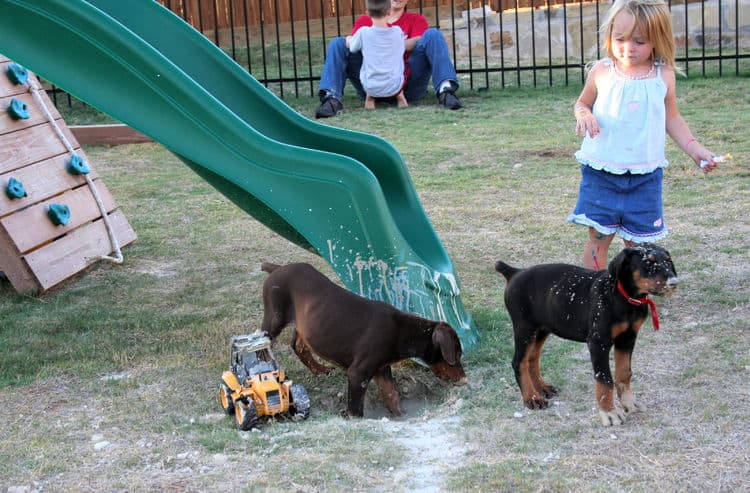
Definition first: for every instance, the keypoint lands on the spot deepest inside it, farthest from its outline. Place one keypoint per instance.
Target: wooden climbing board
(36, 255)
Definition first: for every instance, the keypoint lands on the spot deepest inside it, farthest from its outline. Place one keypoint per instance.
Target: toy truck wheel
(300, 402)
(225, 397)
(246, 415)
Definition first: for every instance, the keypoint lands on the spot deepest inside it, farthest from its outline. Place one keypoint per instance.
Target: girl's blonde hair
(653, 19)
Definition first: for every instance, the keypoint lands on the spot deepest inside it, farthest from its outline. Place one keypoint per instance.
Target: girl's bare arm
(677, 127)
(585, 119)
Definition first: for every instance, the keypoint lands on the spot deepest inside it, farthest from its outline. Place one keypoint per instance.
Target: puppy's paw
(614, 417)
(397, 413)
(348, 414)
(549, 391)
(536, 402)
(630, 405)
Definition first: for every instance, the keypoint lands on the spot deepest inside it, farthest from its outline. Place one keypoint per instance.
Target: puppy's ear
(618, 263)
(445, 338)
(668, 259)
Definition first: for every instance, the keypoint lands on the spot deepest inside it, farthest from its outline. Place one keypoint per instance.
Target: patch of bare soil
(556, 153)
(427, 432)
(434, 448)
(419, 389)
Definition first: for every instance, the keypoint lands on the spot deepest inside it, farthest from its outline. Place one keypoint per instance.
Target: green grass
(132, 354)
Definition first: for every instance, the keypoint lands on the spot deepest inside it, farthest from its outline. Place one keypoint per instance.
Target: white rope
(34, 88)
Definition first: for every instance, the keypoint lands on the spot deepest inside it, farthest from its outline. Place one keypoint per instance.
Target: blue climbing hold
(18, 110)
(17, 74)
(58, 214)
(15, 189)
(76, 166)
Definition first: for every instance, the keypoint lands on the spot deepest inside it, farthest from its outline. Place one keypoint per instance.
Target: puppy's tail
(506, 270)
(268, 267)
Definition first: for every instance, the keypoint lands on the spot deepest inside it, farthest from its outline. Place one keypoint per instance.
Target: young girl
(627, 105)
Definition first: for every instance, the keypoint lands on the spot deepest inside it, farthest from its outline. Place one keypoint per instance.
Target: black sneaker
(448, 99)
(329, 107)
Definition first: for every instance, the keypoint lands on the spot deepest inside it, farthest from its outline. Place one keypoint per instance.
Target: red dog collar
(644, 301)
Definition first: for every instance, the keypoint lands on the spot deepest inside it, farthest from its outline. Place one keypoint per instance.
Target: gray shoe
(329, 107)
(448, 99)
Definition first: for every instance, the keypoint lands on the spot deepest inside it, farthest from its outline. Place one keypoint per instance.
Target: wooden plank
(36, 115)
(31, 227)
(19, 149)
(32, 152)
(107, 135)
(15, 268)
(74, 252)
(41, 181)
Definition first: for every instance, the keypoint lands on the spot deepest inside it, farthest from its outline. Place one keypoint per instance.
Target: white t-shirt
(382, 73)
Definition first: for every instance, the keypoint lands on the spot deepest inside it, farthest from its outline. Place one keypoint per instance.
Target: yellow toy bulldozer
(256, 386)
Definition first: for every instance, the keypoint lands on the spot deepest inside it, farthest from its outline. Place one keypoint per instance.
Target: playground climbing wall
(56, 215)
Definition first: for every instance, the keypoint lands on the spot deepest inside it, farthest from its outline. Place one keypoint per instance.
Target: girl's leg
(596, 250)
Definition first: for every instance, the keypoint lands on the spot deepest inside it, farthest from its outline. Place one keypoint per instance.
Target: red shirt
(413, 25)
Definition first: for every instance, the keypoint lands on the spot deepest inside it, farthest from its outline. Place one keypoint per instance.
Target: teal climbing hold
(17, 74)
(76, 166)
(59, 214)
(15, 189)
(18, 110)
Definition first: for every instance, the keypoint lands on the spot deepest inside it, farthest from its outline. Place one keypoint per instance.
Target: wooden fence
(209, 14)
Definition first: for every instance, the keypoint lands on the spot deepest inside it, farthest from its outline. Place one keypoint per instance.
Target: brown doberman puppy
(363, 336)
(602, 308)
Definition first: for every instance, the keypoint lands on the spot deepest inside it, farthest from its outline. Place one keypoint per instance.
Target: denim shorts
(629, 204)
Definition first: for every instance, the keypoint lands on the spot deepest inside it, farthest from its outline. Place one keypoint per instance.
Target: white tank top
(632, 121)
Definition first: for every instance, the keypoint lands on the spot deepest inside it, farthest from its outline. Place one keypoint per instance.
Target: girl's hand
(586, 123)
(702, 157)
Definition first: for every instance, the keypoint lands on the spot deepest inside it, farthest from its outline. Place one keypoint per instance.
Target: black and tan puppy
(364, 337)
(601, 308)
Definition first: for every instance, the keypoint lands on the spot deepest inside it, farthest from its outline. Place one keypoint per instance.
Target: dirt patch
(419, 389)
(556, 153)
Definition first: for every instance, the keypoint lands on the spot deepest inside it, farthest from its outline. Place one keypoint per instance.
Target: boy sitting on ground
(382, 72)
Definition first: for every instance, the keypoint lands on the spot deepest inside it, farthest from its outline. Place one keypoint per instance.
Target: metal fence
(494, 44)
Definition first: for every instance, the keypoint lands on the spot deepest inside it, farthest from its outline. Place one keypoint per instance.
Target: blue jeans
(429, 59)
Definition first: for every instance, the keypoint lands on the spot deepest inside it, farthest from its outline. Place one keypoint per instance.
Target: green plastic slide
(345, 195)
